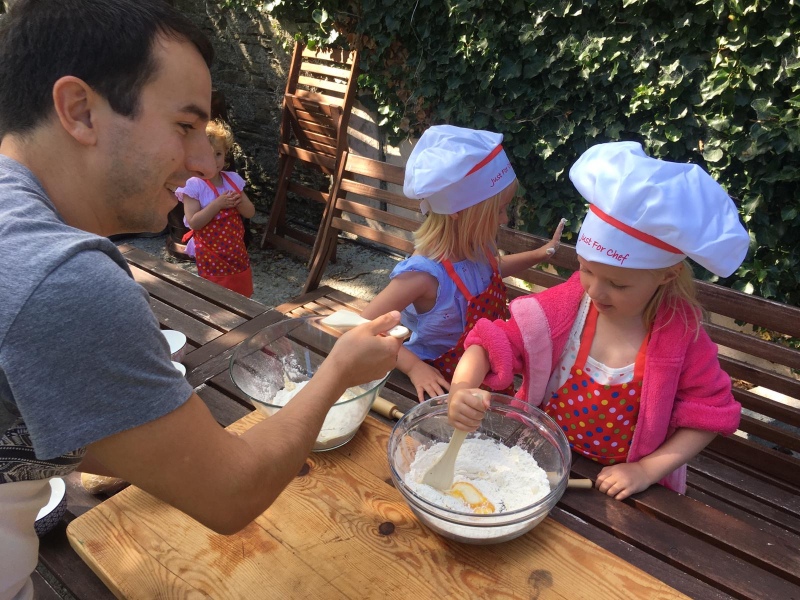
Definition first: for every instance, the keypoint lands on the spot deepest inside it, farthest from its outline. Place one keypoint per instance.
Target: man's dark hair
(106, 43)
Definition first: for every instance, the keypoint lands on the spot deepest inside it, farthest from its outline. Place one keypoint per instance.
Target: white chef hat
(453, 168)
(647, 213)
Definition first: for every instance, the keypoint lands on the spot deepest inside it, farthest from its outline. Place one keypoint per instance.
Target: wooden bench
(743, 495)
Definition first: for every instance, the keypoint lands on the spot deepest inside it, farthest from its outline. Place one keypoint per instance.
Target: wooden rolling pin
(386, 409)
(581, 484)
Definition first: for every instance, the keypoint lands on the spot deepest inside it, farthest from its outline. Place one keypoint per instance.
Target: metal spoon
(440, 475)
(347, 319)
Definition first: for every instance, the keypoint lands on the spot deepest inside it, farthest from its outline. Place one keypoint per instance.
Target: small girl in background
(454, 277)
(213, 209)
(617, 354)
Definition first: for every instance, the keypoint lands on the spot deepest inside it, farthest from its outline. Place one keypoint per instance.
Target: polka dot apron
(220, 251)
(489, 304)
(598, 420)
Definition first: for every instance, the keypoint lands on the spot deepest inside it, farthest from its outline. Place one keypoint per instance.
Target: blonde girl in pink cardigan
(617, 355)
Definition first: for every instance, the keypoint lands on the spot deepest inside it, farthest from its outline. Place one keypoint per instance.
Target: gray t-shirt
(81, 356)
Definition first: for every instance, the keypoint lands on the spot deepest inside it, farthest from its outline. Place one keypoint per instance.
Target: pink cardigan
(684, 385)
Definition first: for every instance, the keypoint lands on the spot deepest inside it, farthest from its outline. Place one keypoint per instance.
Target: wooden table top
(736, 534)
(340, 530)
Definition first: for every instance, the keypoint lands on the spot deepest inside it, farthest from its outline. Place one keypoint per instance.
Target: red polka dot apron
(220, 252)
(489, 304)
(598, 420)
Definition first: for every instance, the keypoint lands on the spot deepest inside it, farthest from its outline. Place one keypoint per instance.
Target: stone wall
(249, 75)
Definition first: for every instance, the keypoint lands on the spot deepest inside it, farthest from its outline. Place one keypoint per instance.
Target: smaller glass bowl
(267, 370)
(508, 421)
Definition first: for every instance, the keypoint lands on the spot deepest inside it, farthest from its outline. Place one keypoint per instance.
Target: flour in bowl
(502, 478)
(342, 420)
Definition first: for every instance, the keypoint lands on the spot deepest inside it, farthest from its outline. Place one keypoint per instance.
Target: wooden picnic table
(342, 530)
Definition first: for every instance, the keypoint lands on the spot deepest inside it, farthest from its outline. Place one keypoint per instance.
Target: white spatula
(346, 319)
(440, 475)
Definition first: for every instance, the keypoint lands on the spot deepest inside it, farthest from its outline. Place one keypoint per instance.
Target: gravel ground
(360, 270)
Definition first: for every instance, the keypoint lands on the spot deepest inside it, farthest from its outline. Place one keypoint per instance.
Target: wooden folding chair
(362, 203)
(316, 110)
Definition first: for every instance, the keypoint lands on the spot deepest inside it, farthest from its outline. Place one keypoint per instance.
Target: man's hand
(363, 353)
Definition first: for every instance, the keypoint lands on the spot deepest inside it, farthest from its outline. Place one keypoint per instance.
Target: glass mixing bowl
(270, 369)
(507, 421)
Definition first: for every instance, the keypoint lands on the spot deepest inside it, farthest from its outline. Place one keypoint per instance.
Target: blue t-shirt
(81, 354)
(435, 332)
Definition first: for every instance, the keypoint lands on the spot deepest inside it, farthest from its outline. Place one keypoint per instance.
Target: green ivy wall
(713, 82)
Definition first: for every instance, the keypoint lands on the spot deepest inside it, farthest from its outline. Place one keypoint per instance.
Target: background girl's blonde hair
(219, 130)
(680, 296)
(471, 236)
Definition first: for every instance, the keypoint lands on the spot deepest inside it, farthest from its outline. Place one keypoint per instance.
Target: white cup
(180, 367)
(177, 344)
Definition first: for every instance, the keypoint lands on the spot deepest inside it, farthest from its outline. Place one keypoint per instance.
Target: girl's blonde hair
(219, 130)
(680, 296)
(469, 237)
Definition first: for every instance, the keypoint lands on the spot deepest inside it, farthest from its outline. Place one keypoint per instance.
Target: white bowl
(50, 514)
(177, 344)
(268, 371)
(180, 367)
(510, 422)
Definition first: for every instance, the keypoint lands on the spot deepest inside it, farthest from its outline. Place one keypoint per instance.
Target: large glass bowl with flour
(273, 365)
(508, 475)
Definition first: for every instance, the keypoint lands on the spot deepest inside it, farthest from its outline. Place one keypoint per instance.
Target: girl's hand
(427, 380)
(466, 408)
(229, 199)
(622, 480)
(551, 246)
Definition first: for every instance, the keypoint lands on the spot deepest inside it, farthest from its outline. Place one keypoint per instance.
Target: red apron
(598, 420)
(220, 252)
(490, 304)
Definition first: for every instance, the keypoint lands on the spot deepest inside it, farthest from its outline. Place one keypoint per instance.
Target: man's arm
(223, 480)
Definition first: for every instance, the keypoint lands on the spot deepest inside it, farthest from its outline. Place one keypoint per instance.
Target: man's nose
(200, 159)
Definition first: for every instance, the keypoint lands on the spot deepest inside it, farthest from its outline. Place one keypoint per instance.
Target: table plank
(202, 288)
(323, 538)
(187, 301)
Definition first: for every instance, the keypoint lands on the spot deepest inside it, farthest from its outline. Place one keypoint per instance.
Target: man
(103, 107)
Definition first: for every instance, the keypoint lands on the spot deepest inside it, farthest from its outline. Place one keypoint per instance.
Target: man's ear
(74, 102)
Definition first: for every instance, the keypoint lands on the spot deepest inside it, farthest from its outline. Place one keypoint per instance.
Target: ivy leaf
(320, 16)
(672, 133)
(712, 155)
(509, 69)
(789, 213)
(613, 130)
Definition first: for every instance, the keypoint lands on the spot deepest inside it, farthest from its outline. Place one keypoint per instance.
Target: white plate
(51, 513)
